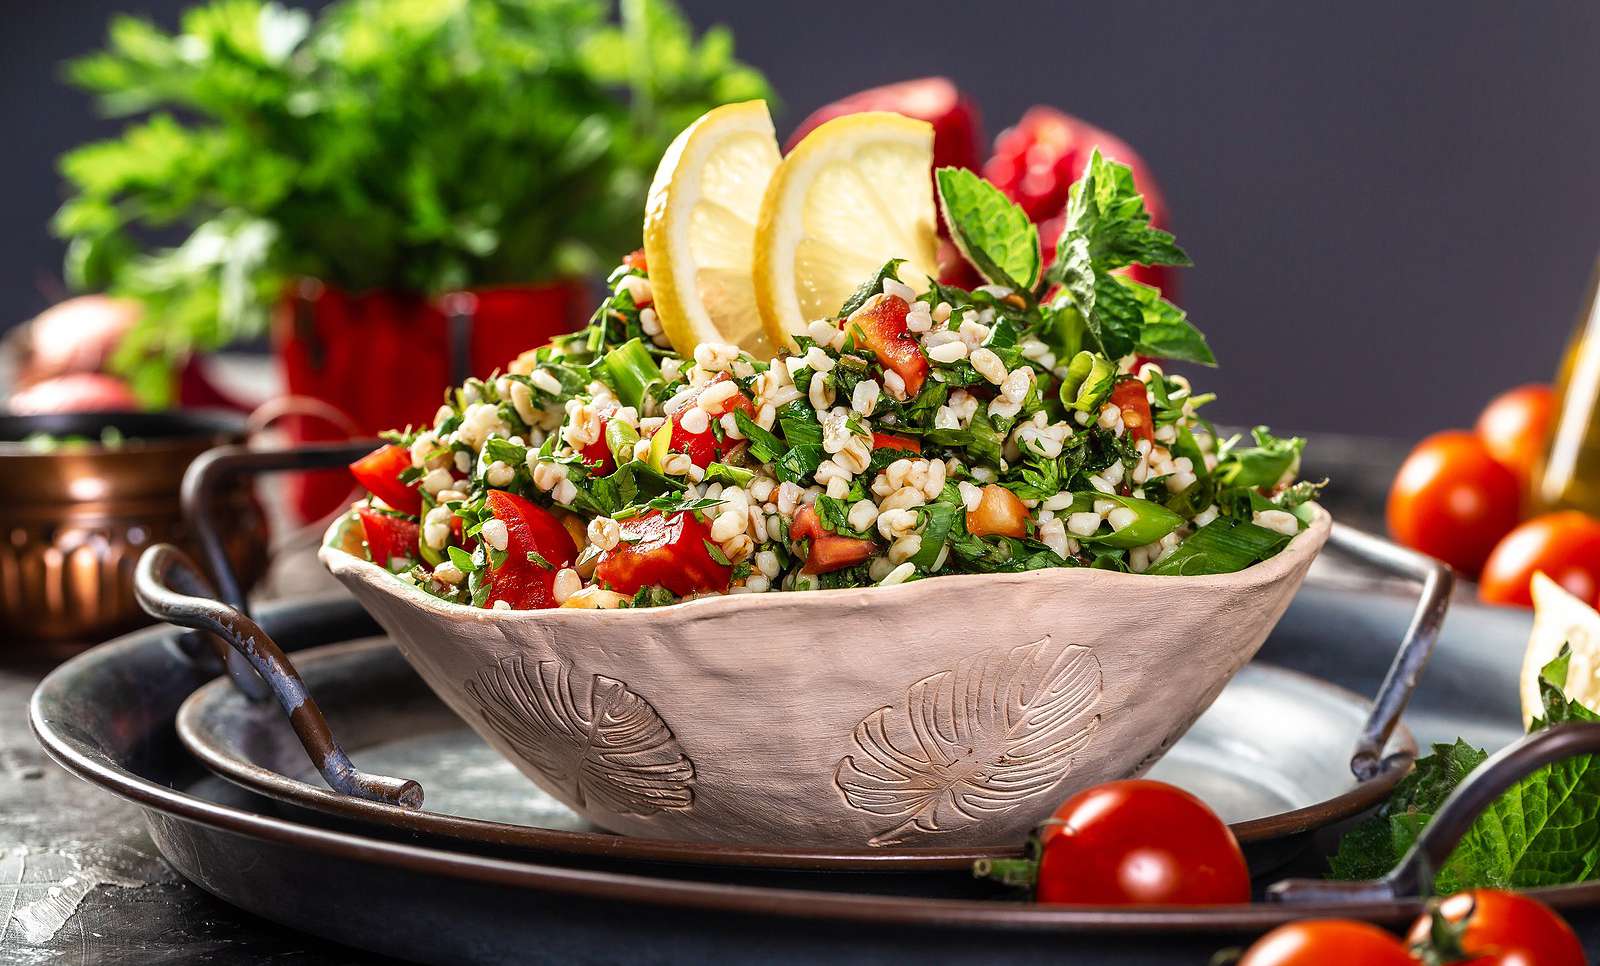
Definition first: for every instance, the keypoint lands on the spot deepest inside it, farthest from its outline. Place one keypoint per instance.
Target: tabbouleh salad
(923, 430)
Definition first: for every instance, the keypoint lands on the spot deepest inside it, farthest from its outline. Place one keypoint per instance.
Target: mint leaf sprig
(1108, 229)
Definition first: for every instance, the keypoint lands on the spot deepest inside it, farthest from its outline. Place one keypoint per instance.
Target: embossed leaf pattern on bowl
(597, 740)
(976, 741)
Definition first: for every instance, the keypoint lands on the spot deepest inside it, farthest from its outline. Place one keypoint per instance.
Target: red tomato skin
(891, 441)
(387, 536)
(1451, 500)
(379, 471)
(828, 551)
(881, 327)
(1506, 929)
(635, 260)
(1515, 427)
(663, 551)
(597, 455)
(705, 448)
(1565, 545)
(518, 581)
(1139, 842)
(1129, 396)
(1327, 942)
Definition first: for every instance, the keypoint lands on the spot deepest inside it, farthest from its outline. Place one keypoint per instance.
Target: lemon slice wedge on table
(699, 228)
(856, 192)
(1560, 618)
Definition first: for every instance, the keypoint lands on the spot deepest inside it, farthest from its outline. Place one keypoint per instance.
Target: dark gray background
(1393, 206)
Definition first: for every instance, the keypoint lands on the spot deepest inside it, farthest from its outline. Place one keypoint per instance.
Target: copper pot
(75, 517)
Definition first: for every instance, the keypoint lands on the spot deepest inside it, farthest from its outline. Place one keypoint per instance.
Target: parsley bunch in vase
(337, 177)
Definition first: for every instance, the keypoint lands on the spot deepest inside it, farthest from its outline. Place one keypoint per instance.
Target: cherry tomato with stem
(1487, 927)
(1565, 545)
(1139, 842)
(1453, 501)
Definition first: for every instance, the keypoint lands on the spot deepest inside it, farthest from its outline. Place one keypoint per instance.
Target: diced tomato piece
(635, 260)
(387, 536)
(704, 448)
(999, 513)
(881, 327)
(1129, 396)
(379, 471)
(659, 550)
(891, 441)
(597, 455)
(521, 581)
(828, 551)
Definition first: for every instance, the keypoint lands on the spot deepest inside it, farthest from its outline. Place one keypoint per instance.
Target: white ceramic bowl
(955, 711)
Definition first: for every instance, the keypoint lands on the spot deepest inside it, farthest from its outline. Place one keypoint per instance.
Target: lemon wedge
(699, 228)
(856, 192)
(1560, 618)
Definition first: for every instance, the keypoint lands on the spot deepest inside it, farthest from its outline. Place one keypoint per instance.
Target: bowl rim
(341, 563)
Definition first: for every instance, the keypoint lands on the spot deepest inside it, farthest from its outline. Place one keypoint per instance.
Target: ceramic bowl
(954, 711)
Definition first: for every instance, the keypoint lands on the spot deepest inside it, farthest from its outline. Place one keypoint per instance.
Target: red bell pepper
(521, 581)
(387, 536)
(379, 471)
(828, 551)
(659, 550)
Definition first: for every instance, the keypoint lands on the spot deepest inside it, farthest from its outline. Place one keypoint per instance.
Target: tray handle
(205, 480)
(1415, 647)
(1414, 875)
(171, 588)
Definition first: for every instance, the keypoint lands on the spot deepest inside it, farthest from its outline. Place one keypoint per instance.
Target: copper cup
(75, 516)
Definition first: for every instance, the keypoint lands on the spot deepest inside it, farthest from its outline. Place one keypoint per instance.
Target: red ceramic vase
(385, 359)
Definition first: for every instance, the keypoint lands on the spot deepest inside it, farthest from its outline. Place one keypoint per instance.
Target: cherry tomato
(387, 536)
(1565, 545)
(1501, 929)
(1139, 842)
(827, 551)
(1451, 500)
(1515, 425)
(522, 581)
(1129, 396)
(881, 327)
(1327, 942)
(379, 471)
(1000, 512)
(891, 441)
(663, 551)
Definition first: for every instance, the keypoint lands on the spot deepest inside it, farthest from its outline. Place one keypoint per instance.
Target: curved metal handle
(169, 587)
(1414, 875)
(1415, 647)
(204, 481)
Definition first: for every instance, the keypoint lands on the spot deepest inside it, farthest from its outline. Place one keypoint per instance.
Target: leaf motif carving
(601, 742)
(978, 740)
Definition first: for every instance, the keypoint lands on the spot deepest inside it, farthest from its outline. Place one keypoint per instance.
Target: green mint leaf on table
(994, 234)
(1108, 228)
(871, 287)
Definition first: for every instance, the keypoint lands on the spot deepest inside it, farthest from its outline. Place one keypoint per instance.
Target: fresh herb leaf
(1108, 228)
(994, 234)
(871, 287)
